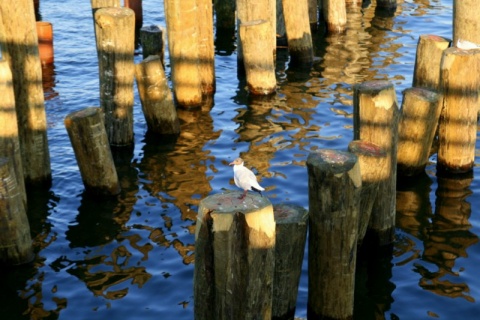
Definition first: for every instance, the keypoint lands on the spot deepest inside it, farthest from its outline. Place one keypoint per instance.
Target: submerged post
(115, 30)
(334, 185)
(92, 151)
(21, 51)
(376, 120)
(234, 257)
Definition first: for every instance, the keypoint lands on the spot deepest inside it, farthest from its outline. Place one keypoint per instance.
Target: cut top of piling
(333, 161)
(229, 202)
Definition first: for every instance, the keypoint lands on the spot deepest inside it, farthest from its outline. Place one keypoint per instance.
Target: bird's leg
(243, 195)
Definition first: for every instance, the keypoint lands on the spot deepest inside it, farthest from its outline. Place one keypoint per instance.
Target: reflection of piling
(370, 157)
(45, 42)
(299, 37)
(375, 120)
(387, 6)
(427, 62)
(291, 233)
(152, 39)
(137, 7)
(417, 127)
(335, 14)
(466, 21)
(15, 241)
(90, 144)
(206, 54)
(22, 54)
(334, 184)
(255, 37)
(234, 257)
(460, 80)
(9, 143)
(155, 96)
(183, 46)
(115, 32)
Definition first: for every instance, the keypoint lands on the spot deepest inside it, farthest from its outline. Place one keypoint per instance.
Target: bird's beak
(231, 164)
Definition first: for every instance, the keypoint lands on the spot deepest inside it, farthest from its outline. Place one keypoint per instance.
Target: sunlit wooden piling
(426, 73)
(155, 96)
(9, 142)
(334, 185)
(257, 57)
(115, 30)
(459, 82)
(234, 257)
(335, 14)
(466, 22)
(206, 55)
(299, 37)
(21, 51)
(15, 241)
(183, 46)
(291, 234)
(45, 42)
(98, 4)
(375, 120)
(152, 39)
(89, 140)
(137, 7)
(370, 157)
(417, 128)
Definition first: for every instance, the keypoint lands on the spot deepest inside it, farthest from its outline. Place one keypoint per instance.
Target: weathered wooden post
(206, 55)
(299, 36)
(313, 12)
(90, 143)
(21, 51)
(335, 14)
(370, 157)
(426, 73)
(259, 64)
(45, 42)
(290, 237)
(334, 184)
(234, 257)
(15, 241)
(466, 22)
(9, 142)
(137, 7)
(376, 120)
(98, 4)
(183, 46)
(417, 127)
(459, 82)
(115, 30)
(225, 14)
(155, 96)
(152, 39)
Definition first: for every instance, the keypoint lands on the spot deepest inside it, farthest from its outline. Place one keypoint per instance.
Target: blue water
(132, 257)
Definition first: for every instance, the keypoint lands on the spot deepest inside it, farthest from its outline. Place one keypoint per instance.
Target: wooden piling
(15, 241)
(234, 257)
(417, 128)
(98, 4)
(45, 42)
(334, 185)
(335, 14)
(206, 55)
(426, 73)
(225, 14)
(137, 7)
(155, 96)
(152, 39)
(9, 141)
(291, 234)
(375, 120)
(115, 30)
(87, 134)
(21, 51)
(466, 22)
(183, 45)
(459, 82)
(258, 58)
(299, 36)
(370, 157)
(313, 12)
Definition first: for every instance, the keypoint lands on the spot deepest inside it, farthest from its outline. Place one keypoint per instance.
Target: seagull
(244, 178)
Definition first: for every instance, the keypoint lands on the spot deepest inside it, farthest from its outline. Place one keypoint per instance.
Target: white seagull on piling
(244, 178)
